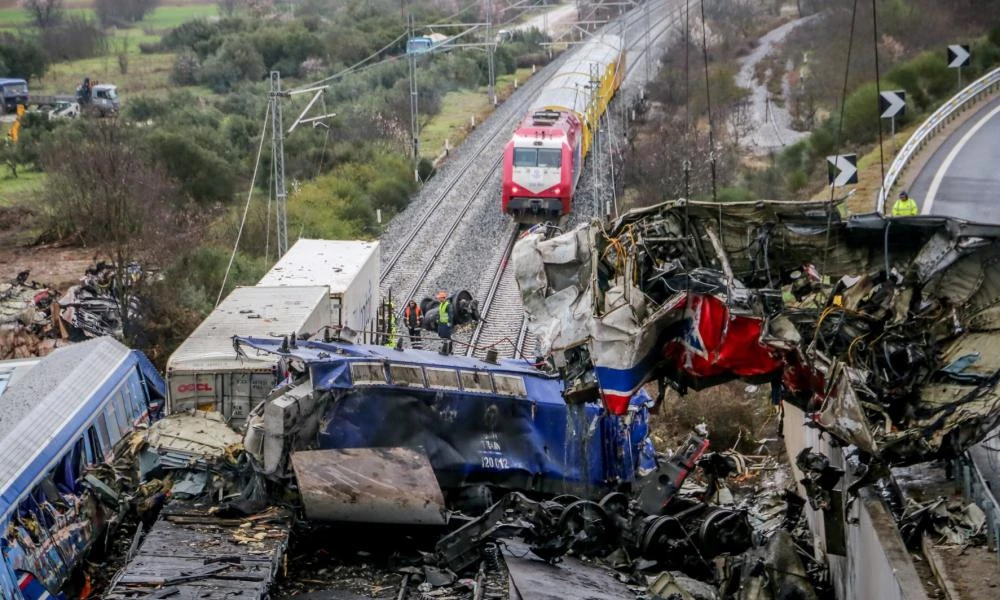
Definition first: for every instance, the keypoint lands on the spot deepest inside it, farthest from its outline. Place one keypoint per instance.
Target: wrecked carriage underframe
(884, 331)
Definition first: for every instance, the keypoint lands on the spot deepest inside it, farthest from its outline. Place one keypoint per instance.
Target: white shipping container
(205, 372)
(350, 268)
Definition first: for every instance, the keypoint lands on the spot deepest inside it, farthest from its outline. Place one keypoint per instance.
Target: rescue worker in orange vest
(413, 316)
(445, 317)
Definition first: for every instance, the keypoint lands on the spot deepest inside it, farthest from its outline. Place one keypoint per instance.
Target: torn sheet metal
(192, 439)
(872, 345)
(369, 485)
(504, 425)
(570, 579)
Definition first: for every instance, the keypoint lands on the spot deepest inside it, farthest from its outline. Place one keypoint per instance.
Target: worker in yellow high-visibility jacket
(905, 207)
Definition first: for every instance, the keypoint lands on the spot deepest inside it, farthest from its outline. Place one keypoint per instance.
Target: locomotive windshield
(537, 157)
(549, 157)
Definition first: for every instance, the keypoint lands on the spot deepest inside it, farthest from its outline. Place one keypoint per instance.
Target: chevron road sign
(958, 56)
(842, 169)
(892, 104)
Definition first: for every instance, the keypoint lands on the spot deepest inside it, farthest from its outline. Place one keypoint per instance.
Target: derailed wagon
(375, 434)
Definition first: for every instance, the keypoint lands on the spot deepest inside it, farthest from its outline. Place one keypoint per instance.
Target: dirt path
(54, 267)
(771, 123)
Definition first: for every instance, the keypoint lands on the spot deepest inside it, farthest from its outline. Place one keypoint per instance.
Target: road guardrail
(973, 93)
(975, 489)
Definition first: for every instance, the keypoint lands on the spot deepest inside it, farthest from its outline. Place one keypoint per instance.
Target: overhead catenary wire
(246, 209)
(840, 125)
(708, 103)
(878, 90)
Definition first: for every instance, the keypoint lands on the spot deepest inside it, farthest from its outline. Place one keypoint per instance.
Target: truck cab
(101, 98)
(13, 92)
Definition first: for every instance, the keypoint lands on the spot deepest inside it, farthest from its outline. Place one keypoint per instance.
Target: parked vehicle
(14, 92)
(91, 98)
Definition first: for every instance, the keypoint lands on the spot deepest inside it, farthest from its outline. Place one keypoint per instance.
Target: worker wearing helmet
(413, 316)
(446, 315)
(905, 207)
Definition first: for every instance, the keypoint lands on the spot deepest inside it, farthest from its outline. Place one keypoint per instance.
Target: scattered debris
(878, 348)
(36, 319)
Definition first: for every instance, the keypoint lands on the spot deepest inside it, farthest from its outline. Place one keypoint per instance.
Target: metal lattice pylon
(278, 164)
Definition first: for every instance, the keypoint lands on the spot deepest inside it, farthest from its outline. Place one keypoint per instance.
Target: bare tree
(740, 121)
(105, 189)
(44, 13)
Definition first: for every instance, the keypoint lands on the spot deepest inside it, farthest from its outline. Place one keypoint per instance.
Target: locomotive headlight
(556, 190)
(514, 189)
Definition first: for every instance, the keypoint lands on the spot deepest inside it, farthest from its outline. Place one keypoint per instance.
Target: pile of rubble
(36, 319)
(882, 331)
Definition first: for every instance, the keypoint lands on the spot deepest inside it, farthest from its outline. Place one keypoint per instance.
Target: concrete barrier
(860, 542)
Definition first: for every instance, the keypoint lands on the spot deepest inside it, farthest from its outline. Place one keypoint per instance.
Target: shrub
(205, 176)
(186, 69)
(22, 56)
(237, 60)
(115, 13)
(861, 116)
(736, 194)
(77, 37)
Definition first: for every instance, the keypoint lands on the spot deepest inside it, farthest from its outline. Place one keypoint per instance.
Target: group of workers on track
(413, 318)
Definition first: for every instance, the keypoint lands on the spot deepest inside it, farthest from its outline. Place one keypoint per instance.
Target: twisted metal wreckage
(883, 331)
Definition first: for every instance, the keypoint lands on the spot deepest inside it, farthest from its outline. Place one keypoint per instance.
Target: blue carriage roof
(313, 352)
(43, 412)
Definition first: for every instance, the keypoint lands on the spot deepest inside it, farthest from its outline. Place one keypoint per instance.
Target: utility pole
(414, 113)
(490, 49)
(645, 7)
(595, 129)
(278, 163)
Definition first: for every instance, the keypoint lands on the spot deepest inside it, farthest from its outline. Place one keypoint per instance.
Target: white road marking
(925, 209)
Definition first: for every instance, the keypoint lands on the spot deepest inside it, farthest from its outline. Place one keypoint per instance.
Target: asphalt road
(962, 177)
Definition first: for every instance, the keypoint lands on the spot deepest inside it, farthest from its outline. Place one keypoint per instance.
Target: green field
(23, 188)
(145, 73)
(453, 122)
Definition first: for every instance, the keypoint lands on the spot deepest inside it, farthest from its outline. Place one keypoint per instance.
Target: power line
(840, 125)
(708, 99)
(878, 89)
(246, 209)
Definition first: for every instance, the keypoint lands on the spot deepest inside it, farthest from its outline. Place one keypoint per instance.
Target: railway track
(504, 327)
(458, 219)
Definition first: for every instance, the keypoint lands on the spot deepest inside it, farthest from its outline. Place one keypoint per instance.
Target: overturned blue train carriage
(402, 433)
(59, 421)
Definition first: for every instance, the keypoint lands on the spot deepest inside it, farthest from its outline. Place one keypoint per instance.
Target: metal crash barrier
(976, 91)
(975, 489)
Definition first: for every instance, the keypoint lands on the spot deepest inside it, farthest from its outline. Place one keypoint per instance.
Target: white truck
(205, 373)
(349, 268)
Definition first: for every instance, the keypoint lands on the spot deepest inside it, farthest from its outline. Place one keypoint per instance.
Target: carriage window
(93, 446)
(367, 373)
(510, 385)
(406, 375)
(105, 439)
(123, 413)
(549, 157)
(525, 157)
(476, 381)
(442, 378)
